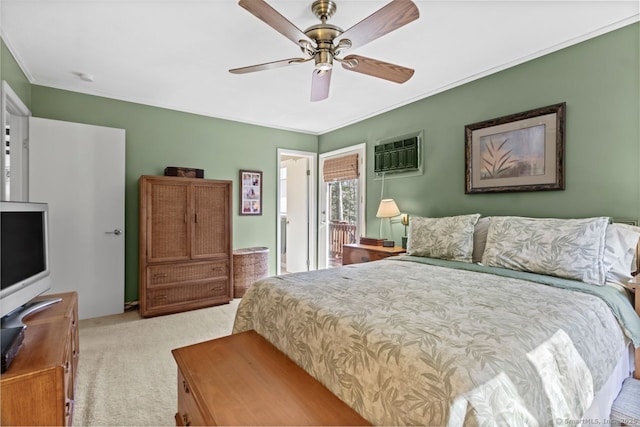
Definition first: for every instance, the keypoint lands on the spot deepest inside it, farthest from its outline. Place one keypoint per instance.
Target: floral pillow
(569, 248)
(620, 252)
(480, 238)
(446, 238)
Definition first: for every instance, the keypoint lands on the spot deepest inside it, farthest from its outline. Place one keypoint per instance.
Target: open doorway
(342, 190)
(296, 226)
(14, 160)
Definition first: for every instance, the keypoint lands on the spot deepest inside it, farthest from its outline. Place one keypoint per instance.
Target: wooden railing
(340, 234)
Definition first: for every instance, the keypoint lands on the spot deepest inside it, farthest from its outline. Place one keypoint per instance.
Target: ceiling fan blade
(274, 19)
(268, 65)
(391, 17)
(320, 81)
(376, 68)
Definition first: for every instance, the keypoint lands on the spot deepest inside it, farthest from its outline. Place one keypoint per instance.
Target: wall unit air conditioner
(398, 155)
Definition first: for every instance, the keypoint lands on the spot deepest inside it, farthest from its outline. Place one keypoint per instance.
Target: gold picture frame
(519, 152)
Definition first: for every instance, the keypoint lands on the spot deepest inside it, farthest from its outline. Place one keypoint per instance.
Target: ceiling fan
(323, 43)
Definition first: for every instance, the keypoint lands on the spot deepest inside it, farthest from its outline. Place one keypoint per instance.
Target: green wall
(11, 72)
(157, 137)
(599, 81)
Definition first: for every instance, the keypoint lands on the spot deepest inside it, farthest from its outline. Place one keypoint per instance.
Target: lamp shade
(387, 209)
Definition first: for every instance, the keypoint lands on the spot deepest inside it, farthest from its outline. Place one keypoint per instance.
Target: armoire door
(168, 212)
(211, 226)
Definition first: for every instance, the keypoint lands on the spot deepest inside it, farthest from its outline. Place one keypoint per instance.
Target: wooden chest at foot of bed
(242, 379)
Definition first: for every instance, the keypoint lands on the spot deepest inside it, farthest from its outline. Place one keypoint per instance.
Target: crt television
(24, 255)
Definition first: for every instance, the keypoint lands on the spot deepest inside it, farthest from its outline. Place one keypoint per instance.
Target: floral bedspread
(404, 343)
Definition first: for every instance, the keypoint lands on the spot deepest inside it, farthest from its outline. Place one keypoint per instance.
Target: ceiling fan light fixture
(324, 66)
(324, 60)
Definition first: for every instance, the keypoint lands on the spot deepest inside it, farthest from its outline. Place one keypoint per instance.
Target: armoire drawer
(172, 273)
(157, 297)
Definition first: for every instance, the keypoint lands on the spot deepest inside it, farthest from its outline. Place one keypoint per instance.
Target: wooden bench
(243, 379)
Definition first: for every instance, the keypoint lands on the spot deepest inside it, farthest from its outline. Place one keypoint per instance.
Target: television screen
(24, 260)
(23, 250)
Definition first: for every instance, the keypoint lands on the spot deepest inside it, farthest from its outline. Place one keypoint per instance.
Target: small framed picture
(250, 192)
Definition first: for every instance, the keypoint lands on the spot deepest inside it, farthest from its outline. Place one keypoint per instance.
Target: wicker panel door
(167, 206)
(211, 226)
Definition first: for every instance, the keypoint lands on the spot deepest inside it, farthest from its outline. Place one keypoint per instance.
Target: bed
(433, 338)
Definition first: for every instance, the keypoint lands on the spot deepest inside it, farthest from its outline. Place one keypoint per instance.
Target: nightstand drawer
(355, 254)
(188, 412)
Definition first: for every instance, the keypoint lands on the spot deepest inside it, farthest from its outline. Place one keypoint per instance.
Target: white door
(79, 171)
(296, 227)
(297, 223)
(334, 229)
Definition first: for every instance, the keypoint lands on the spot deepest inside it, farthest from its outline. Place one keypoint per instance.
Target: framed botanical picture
(519, 152)
(250, 192)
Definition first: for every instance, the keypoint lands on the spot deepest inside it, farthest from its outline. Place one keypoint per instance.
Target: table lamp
(387, 209)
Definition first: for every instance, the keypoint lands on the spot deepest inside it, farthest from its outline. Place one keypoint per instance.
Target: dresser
(185, 254)
(38, 388)
(356, 253)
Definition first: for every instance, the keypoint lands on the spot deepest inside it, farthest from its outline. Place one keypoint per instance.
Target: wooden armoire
(185, 244)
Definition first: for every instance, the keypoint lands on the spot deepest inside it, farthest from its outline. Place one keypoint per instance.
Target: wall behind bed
(599, 81)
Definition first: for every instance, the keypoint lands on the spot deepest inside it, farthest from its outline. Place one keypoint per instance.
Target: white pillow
(480, 238)
(620, 252)
(449, 237)
(569, 248)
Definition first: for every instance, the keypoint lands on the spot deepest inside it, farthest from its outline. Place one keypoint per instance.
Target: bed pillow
(480, 238)
(446, 238)
(620, 252)
(569, 248)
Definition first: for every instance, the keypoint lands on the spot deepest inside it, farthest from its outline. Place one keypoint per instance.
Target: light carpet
(126, 373)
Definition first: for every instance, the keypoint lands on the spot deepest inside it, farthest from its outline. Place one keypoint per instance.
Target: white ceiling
(176, 53)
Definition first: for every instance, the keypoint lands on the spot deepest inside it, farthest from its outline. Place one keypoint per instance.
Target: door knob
(117, 232)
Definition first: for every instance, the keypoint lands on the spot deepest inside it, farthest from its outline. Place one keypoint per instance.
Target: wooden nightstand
(355, 253)
(634, 286)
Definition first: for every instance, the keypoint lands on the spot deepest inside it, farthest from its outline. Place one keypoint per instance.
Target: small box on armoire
(186, 172)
